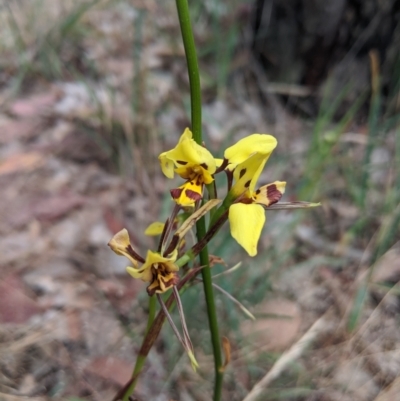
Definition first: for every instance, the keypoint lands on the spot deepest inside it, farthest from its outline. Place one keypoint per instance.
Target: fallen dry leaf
(121, 294)
(21, 162)
(56, 206)
(16, 129)
(34, 105)
(278, 328)
(110, 368)
(15, 305)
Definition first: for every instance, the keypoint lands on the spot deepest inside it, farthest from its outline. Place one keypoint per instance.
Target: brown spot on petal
(183, 163)
(273, 194)
(176, 193)
(193, 195)
(258, 192)
(247, 184)
(242, 172)
(204, 165)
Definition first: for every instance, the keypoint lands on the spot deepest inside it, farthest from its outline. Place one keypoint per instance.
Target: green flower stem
(195, 99)
(193, 67)
(152, 312)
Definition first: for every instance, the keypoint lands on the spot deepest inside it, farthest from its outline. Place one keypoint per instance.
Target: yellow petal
(121, 245)
(218, 162)
(269, 194)
(246, 222)
(143, 274)
(243, 149)
(155, 257)
(247, 173)
(187, 152)
(167, 165)
(155, 228)
(167, 161)
(188, 193)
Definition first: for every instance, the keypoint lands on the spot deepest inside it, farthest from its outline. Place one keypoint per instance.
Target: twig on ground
(289, 356)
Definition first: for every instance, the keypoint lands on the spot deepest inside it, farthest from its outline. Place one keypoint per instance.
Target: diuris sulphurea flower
(246, 214)
(161, 272)
(156, 269)
(192, 162)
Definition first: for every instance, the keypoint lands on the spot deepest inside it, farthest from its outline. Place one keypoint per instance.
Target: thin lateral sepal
(293, 205)
(232, 298)
(170, 321)
(182, 317)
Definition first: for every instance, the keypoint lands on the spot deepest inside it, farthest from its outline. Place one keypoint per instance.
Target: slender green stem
(195, 98)
(152, 312)
(193, 67)
(212, 315)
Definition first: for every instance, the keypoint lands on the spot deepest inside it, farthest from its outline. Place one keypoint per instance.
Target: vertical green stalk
(195, 100)
(193, 67)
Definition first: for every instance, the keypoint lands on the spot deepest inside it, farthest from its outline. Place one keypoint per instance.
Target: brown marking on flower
(242, 172)
(173, 244)
(193, 195)
(225, 162)
(176, 192)
(183, 163)
(162, 280)
(134, 255)
(204, 165)
(247, 184)
(258, 191)
(273, 194)
(164, 232)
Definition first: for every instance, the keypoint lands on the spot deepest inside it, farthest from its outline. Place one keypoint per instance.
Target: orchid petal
(246, 223)
(155, 228)
(187, 152)
(143, 274)
(269, 194)
(247, 173)
(188, 193)
(121, 245)
(243, 149)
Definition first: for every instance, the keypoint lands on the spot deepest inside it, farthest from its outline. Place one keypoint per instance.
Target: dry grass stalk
(289, 356)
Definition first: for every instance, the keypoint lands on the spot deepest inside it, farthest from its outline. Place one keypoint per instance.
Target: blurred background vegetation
(92, 91)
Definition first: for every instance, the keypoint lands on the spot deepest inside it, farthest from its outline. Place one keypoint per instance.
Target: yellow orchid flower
(156, 269)
(193, 163)
(263, 144)
(247, 215)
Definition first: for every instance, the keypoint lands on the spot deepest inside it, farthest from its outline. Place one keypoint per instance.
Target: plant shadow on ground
(88, 100)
